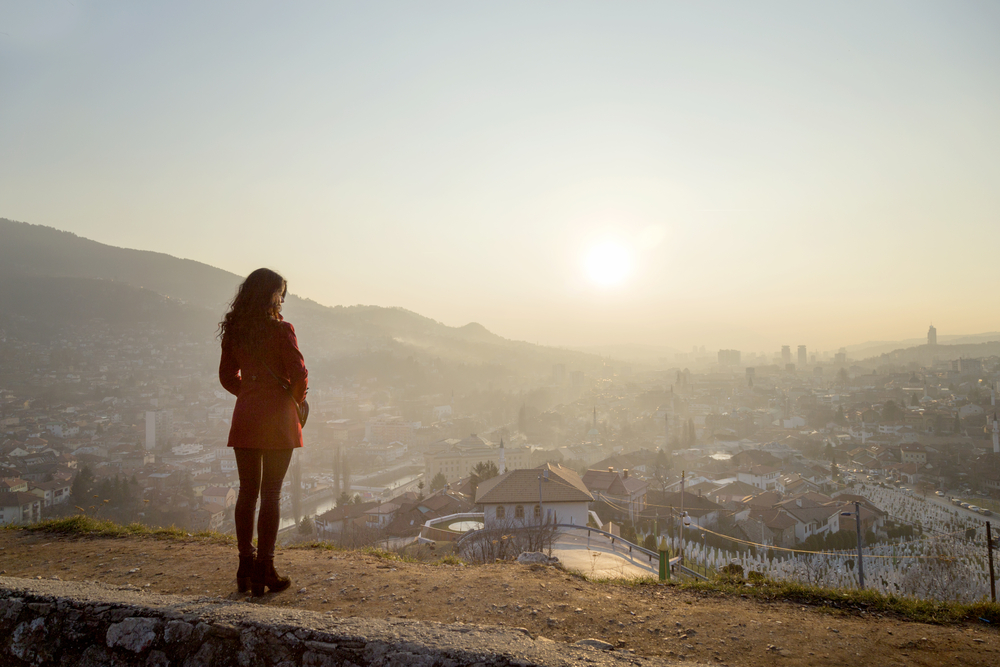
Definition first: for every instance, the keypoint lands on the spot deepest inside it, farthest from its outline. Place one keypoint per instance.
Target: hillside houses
(624, 494)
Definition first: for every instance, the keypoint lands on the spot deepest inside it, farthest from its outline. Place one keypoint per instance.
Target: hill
(874, 349)
(52, 279)
(750, 627)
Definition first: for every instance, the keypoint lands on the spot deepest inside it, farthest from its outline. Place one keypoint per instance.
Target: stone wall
(75, 624)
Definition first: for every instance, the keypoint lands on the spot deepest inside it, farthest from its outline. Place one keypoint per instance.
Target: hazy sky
(727, 174)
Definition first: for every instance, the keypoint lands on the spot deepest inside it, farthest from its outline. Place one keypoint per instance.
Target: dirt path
(651, 620)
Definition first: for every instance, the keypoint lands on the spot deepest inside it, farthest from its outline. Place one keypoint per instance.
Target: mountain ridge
(54, 277)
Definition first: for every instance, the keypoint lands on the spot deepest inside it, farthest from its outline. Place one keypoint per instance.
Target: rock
(531, 557)
(157, 659)
(595, 644)
(133, 634)
(177, 632)
(203, 658)
(28, 641)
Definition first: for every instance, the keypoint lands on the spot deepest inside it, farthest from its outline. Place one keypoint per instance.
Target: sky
(728, 174)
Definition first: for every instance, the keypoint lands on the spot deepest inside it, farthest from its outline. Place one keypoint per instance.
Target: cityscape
(129, 424)
(499, 334)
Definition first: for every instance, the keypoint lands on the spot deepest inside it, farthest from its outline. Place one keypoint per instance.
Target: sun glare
(608, 264)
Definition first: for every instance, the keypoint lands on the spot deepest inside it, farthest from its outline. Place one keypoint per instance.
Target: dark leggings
(261, 473)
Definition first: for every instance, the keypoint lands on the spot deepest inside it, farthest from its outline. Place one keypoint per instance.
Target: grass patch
(850, 600)
(383, 554)
(85, 526)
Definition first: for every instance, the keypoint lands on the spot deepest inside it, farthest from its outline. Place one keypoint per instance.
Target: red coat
(265, 416)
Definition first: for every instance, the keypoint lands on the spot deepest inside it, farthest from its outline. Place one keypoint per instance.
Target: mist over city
(646, 294)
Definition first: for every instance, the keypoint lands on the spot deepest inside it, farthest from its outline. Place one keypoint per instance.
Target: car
(973, 508)
(964, 505)
(985, 512)
(956, 501)
(939, 493)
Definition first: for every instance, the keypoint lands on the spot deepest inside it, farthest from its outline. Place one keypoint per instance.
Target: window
(519, 512)
(501, 513)
(538, 512)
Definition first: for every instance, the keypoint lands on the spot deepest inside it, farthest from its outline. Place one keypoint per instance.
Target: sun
(608, 264)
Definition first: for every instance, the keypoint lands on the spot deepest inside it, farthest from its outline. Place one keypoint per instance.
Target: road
(944, 501)
(596, 557)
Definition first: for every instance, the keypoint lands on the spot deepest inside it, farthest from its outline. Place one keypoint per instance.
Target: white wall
(574, 513)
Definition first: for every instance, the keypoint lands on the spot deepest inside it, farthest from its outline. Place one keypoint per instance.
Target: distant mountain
(50, 279)
(876, 348)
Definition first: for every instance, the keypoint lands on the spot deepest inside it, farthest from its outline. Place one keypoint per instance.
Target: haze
(578, 174)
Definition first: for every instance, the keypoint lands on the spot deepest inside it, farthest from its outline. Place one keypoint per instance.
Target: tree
(481, 472)
(81, 490)
(891, 412)
(307, 526)
(438, 482)
(420, 488)
(662, 462)
(840, 418)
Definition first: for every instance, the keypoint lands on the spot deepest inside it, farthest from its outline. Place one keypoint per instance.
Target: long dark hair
(254, 309)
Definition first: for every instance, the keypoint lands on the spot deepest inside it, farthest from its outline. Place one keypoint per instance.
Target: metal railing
(632, 547)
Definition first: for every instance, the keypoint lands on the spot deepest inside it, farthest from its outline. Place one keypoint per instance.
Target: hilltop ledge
(46, 622)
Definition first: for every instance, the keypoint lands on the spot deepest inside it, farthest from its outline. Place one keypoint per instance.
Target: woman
(260, 358)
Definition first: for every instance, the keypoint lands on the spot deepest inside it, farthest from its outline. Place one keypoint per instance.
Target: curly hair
(254, 309)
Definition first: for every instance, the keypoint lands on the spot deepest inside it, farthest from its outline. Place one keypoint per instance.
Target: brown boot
(265, 575)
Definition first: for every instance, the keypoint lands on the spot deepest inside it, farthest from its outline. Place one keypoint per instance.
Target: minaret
(595, 417)
(502, 468)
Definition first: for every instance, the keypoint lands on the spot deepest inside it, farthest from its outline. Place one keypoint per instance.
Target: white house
(20, 507)
(763, 477)
(549, 493)
(51, 493)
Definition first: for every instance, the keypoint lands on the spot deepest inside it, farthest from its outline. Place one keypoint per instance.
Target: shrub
(731, 573)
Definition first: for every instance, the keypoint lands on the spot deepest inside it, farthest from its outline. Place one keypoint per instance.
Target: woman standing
(261, 364)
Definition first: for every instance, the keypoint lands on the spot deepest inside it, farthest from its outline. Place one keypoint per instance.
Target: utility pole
(989, 550)
(857, 525)
(682, 517)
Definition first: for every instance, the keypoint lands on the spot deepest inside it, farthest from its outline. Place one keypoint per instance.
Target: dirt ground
(651, 620)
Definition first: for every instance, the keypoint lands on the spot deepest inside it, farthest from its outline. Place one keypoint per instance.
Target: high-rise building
(786, 354)
(729, 357)
(932, 336)
(159, 428)
(803, 358)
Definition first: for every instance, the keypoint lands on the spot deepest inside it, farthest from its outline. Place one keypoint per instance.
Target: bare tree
(508, 538)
